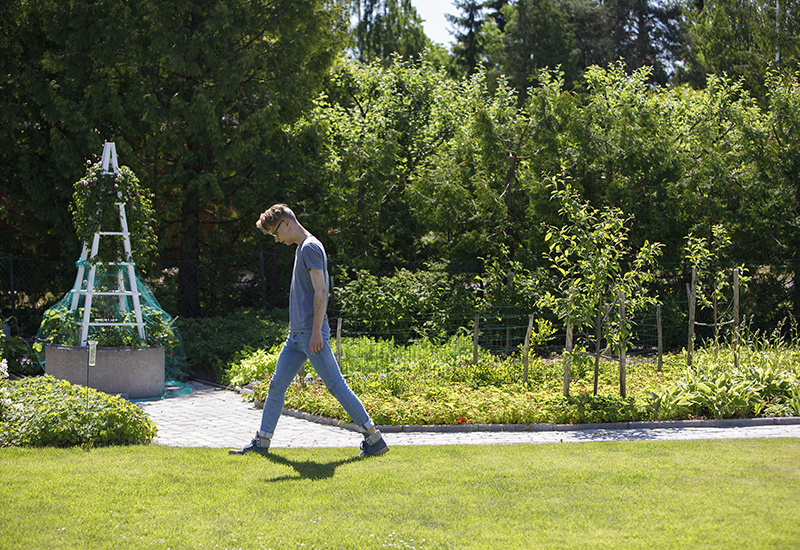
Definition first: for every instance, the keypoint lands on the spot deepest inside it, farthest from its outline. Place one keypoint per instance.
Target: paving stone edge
(466, 428)
(458, 428)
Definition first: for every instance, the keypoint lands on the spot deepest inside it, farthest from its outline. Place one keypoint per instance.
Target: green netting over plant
(61, 324)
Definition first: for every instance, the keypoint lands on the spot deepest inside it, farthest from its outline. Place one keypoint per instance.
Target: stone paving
(217, 417)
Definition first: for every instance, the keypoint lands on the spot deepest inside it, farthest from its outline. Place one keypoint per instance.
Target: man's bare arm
(320, 305)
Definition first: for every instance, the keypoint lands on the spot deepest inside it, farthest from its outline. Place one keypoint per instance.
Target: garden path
(217, 417)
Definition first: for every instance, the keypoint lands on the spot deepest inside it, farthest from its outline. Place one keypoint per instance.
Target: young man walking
(309, 335)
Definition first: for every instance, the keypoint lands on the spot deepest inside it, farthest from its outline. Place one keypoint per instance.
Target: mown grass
(688, 494)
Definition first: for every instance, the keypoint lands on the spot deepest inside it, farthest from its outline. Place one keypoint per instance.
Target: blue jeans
(293, 356)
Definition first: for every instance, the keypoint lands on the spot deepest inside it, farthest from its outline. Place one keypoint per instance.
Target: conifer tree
(387, 27)
(195, 95)
(467, 48)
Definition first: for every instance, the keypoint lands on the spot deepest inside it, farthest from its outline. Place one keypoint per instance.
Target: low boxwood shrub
(45, 412)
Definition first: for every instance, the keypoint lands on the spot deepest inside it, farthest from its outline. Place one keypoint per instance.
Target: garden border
(460, 428)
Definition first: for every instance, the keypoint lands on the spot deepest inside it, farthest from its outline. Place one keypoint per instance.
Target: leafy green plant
(665, 405)
(410, 305)
(380, 364)
(61, 326)
(584, 407)
(425, 383)
(17, 356)
(44, 412)
(95, 206)
(764, 382)
(255, 366)
(721, 396)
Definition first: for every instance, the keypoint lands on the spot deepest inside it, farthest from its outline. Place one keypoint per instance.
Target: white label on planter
(92, 352)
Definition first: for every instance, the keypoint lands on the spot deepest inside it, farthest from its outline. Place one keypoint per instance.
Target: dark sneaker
(257, 445)
(374, 445)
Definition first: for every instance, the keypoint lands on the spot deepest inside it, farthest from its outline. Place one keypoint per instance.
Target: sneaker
(374, 445)
(255, 446)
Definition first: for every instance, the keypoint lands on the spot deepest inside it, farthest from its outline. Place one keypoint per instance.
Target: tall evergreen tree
(646, 33)
(467, 48)
(743, 39)
(387, 27)
(496, 13)
(593, 41)
(539, 35)
(196, 96)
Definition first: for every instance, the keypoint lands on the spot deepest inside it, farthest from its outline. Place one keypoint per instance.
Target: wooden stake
(475, 339)
(622, 346)
(339, 342)
(597, 343)
(568, 347)
(736, 318)
(527, 349)
(690, 291)
(660, 339)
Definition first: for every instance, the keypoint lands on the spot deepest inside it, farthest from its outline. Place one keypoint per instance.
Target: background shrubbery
(212, 344)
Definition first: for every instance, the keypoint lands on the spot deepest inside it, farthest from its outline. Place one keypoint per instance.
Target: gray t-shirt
(310, 254)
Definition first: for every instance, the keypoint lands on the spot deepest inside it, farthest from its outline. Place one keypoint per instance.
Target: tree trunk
(189, 303)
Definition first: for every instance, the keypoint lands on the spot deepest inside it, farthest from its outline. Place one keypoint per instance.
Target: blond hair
(273, 216)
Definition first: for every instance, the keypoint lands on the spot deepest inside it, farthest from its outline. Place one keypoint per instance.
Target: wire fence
(498, 330)
(220, 286)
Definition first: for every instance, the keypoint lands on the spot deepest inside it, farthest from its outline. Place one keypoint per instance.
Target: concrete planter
(135, 373)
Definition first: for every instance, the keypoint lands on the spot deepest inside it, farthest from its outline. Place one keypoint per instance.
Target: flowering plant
(96, 200)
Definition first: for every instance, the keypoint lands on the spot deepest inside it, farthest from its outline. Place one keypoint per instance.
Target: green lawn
(687, 494)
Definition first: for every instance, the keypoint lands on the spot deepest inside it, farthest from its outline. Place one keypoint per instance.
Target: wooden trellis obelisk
(110, 166)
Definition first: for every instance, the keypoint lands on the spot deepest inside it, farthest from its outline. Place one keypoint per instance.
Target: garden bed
(443, 387)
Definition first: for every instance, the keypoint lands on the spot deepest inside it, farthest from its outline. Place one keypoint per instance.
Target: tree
(387, 27)
(594, 43)
(590, 252)
(497, 13)
(482, 194)
(772, 214)
(716, 182)
(195, 95)
(538, 36)
(467, 48)
(622, 152)
(710, 277)
(646, 33)
(742, 39)
(373, 132)
(39, 157)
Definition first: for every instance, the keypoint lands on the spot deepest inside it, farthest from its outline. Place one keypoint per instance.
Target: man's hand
(315, 344)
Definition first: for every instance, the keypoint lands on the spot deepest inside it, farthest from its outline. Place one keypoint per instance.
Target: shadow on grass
(309, 469)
